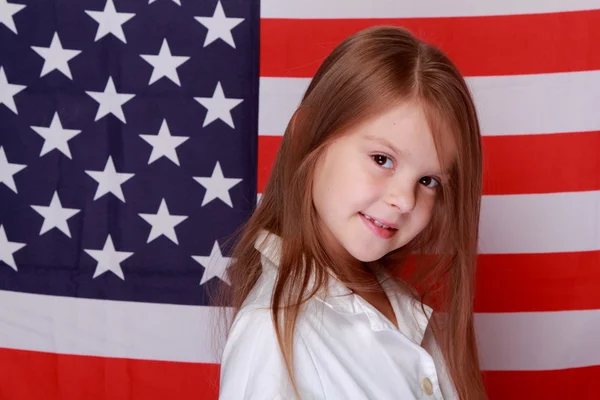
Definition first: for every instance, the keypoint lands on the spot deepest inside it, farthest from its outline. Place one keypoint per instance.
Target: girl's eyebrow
(384, 142)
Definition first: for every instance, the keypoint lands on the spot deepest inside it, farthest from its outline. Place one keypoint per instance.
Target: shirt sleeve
(252, 366)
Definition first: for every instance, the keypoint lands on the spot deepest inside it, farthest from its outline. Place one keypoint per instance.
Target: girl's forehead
(406, 131)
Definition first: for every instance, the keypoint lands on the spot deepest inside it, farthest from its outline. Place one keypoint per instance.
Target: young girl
(373, 202)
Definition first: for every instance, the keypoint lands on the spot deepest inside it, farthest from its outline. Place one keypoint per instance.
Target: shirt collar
(412, 316)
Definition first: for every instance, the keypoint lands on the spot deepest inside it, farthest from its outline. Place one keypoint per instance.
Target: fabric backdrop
(135, 136)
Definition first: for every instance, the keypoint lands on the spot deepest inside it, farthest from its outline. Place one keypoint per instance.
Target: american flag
(136, 136)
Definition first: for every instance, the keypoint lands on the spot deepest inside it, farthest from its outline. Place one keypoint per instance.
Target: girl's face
(375, 186)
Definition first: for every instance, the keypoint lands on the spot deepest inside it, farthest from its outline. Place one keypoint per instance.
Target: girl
(373, 201)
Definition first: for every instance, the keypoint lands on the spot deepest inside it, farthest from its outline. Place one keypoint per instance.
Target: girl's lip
(377, 230)
(382, 221)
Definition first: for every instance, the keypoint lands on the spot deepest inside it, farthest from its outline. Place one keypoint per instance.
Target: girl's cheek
(426, 203)
(370, 185)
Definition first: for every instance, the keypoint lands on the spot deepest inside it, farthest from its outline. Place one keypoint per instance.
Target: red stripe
(552, 163)
(484, 45)
(30, 375)
(267, 152)
(538, 282)
(513, 164)
(576, 383)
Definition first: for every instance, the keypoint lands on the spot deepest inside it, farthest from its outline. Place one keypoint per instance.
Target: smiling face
(375, 186)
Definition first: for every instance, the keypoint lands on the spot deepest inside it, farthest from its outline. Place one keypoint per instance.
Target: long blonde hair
(365, 75)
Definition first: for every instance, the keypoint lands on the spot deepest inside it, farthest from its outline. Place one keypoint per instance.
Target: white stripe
(409, 9)
(106, 328)
(507, 105)
(538, 340)
(166, 332)
(540, 223)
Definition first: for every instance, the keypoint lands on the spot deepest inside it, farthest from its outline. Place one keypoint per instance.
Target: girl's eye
(430, 182)
(383, 161)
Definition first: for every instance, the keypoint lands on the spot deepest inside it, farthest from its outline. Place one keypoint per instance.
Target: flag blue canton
(128, 145)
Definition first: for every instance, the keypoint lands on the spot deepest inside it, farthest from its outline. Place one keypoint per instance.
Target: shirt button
(427, 386)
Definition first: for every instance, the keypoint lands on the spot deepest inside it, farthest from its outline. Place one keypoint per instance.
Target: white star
(56, 137)
(219, 26)
(217, 186)
(110, 21)
(214, 265)
(55, 216)
(56, 57)
(218, 106)
(109, 259)
(7, 10)
(110, 101)
(109, 180)
(7, 170)
(164, 144)
(8, 248)
(178, 2)
(163, 223)
(164, 64)
(8, 91)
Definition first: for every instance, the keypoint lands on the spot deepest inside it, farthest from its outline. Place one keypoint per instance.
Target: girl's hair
(368, 73)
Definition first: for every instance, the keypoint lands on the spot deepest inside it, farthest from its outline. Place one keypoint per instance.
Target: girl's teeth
(379, 224)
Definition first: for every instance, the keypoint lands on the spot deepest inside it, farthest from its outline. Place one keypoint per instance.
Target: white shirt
(344, 347)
